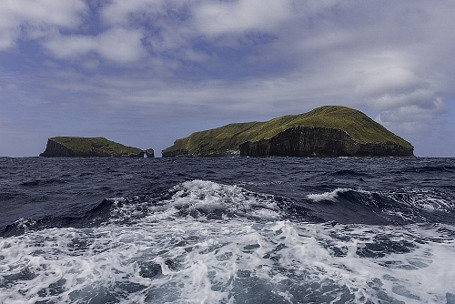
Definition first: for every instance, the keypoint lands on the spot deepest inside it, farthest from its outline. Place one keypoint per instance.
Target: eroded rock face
(176, 153)
(319, 142)
(55, 149)
(149, 153)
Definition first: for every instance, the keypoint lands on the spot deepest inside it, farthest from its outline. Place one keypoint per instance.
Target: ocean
(227, 230)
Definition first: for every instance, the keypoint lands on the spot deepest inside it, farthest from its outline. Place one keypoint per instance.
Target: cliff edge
(68, 146)
(328, 131)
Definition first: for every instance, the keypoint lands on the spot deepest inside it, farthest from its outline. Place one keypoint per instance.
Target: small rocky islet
(328, 131)
(71, 146)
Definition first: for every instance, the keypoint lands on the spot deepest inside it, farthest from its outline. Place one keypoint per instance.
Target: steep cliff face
(90, 147)
(319, 142)
(324, 131)
(175, 153)
(55, 149)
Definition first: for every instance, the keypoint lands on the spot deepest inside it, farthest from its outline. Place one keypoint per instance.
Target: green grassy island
(328, 131)
(69, 146)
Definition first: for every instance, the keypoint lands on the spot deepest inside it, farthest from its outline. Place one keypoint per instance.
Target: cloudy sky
(145, 72)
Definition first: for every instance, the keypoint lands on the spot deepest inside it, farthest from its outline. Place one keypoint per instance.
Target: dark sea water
(227, 230)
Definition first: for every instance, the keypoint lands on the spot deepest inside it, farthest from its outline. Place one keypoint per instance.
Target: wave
(412, 206)
(348, 173)
(421, 199)
(207, 200)
(202, 241)
(43, 182)
(334, 195)
(429, 169)
(197, 198)
(215, 200)
(93, 217)
(237, 261)
(202, 199)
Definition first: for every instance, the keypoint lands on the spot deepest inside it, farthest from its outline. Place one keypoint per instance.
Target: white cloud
(18, 17)
(388, 80)
(164, 23)
(226, 17)
(117, 44)
(412, 118)
(393, 58)
(120, 11)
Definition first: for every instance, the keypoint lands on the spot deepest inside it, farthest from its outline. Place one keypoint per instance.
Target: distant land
(328, 131)
(68, 146)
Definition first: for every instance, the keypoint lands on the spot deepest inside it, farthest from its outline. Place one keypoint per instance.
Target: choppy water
(227, 230)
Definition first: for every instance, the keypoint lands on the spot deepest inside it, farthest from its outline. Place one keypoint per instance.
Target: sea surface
(227, 230)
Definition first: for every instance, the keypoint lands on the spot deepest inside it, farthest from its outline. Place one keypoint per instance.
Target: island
(327, 131)
(70, 146)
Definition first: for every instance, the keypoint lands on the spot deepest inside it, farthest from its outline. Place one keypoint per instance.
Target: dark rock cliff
(175, 153)
(319, 142)
(55, 149)
(186, 153)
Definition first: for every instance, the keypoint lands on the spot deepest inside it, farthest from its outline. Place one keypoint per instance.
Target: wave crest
(409, 206)
(199, 197)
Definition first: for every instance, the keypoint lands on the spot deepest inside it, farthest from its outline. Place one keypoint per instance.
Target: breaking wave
(412, 206)
(206, 242)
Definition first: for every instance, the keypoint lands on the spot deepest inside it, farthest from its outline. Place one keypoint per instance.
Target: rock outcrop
(319, 142)
(67, 146)
(327, 131)
(175, 153)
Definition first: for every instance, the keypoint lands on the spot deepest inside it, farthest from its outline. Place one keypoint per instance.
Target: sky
(146, 72)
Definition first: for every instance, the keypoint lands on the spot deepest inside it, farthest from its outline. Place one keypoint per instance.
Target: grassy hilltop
(226, 139)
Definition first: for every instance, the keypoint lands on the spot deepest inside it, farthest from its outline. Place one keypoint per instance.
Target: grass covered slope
(223, 140)
(89, 147)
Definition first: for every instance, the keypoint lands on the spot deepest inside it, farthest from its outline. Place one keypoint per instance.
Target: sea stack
(69, 146)
(328, 131)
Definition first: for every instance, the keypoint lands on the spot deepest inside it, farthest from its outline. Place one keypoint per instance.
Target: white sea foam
(417, 198)
(209, 196)
(326, 196)
(197, 198)
(425, 200)
(165, 258)
(333, 195)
